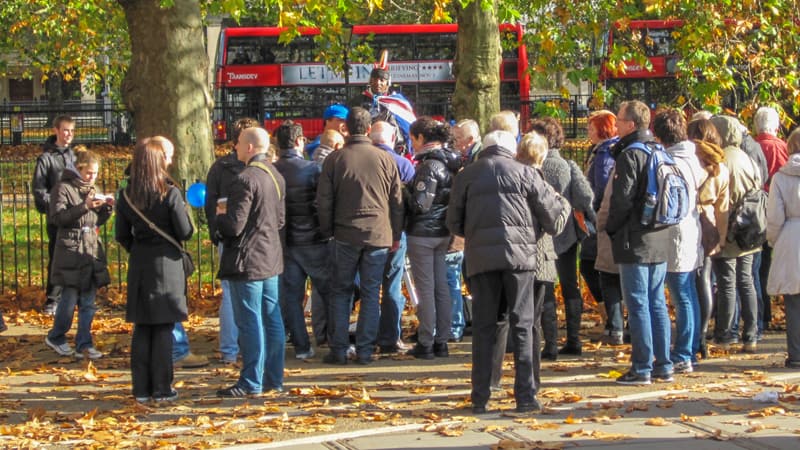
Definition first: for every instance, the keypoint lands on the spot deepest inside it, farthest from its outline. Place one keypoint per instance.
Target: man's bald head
(252, 141)
(382, 133)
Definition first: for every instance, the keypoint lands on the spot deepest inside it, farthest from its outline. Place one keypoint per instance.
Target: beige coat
(713, 201)
(744, 175)
(605, 258)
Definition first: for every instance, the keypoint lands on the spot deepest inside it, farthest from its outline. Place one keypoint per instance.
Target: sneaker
(749, 347)
(440, 350)
(632, 379)
(233, 392)
(364, 360)
(479, 409)
(90, 352)
(683, 367)
(421, 352)
(305, 355)
(549, 355)
(142, 399)
(388, 349)
(613, 339)
(663, 377)
(191, 361)
(62, 349)
(50, 307)
(171, 397)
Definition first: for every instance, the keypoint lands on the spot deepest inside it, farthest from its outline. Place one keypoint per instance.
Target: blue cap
(335, 111)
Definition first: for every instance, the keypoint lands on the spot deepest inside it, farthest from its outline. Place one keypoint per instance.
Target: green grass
(23, 249)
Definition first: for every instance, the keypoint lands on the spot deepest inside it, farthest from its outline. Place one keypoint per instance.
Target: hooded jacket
(632, 242)
(744, 174)
(79, 260)
(47, 173)
(499, 206)
(686, 248)
(783, 228)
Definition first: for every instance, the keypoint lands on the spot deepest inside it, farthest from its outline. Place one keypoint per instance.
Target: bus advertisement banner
(319, 74)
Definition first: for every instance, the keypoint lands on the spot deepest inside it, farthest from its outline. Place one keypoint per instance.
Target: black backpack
(747, 225)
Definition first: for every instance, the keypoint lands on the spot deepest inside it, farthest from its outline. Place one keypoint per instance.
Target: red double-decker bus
(258, 77)
(653, 85)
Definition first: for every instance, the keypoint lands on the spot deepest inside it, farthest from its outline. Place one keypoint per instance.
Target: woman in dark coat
(156, 281)
(428, 236)
(79, 262)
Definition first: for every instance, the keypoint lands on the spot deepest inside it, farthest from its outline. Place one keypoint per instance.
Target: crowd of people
(505, 214)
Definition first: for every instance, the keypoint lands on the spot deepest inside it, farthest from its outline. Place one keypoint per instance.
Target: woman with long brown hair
(156, 279)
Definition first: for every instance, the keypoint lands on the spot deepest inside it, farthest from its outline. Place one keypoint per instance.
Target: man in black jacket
(248, 224)
(56, 156)
(640, 251)
(499, 206)
(305, 251)
(218, 183)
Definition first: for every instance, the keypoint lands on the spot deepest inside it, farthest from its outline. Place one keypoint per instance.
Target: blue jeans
(228, 333)
(393, 301)
(299, 263)
(683, 292)
(643, 291)
(65, 312)
(369, 262)
(262, 341)
(454, 261)
(180, 343)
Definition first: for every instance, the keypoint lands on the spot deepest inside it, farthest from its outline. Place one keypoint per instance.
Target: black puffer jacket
(79, 260)
(49, 166)
(302, 177)
(631, 242)
(500, 205)
(429, 193)
(218, 183)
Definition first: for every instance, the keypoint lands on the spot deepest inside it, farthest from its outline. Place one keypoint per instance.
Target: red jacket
(775, 152)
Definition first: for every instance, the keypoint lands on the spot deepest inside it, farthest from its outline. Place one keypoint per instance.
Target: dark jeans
(53, 292)
(705, 297)
(151, 360)
(612, 300)
(567, 269)
(369, 262)
(765, 307)
(299, 263)
(492, 293)
(735, 276)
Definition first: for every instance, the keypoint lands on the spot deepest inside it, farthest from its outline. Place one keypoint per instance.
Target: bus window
(435, 46)
(396, 44)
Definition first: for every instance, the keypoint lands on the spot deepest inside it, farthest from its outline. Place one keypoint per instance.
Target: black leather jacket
(49, 166)
(302, 177)
(428, 193)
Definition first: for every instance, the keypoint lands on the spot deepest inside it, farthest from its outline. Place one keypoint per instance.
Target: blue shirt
(404, 166)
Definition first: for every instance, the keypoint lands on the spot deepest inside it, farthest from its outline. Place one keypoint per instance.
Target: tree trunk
(477, 64)
(166, 87)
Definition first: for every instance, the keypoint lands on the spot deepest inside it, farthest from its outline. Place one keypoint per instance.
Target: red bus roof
(365, 29)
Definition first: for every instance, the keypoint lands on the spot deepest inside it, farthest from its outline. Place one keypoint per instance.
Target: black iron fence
(96, 122)
(23, 237)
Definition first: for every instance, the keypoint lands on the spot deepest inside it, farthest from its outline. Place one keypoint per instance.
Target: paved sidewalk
(395, 403)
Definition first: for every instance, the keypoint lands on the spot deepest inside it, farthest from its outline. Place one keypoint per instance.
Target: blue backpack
(667, 196)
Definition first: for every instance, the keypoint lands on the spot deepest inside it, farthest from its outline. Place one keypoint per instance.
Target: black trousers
(151, 360)
(539, 289)
(493, 293)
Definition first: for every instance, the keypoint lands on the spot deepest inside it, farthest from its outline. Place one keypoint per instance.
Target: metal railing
(95, 122)
(23, 241)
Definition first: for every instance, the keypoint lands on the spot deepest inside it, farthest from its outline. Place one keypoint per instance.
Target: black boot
(573, 308)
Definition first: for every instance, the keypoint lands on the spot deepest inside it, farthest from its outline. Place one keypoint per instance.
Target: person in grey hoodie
(568, 180)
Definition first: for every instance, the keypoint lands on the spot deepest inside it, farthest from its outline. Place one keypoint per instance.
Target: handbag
(188, 263)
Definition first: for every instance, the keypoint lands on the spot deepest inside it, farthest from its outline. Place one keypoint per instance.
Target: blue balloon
(196, 195)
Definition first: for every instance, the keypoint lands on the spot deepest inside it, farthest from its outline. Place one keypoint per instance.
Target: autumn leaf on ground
(657, 422)
(508, 444)
(765, 412)
(686, 418)
(760, 427)
(638, 406)
(572, 420)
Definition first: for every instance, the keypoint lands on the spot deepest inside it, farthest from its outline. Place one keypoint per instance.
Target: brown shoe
(191, 361)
